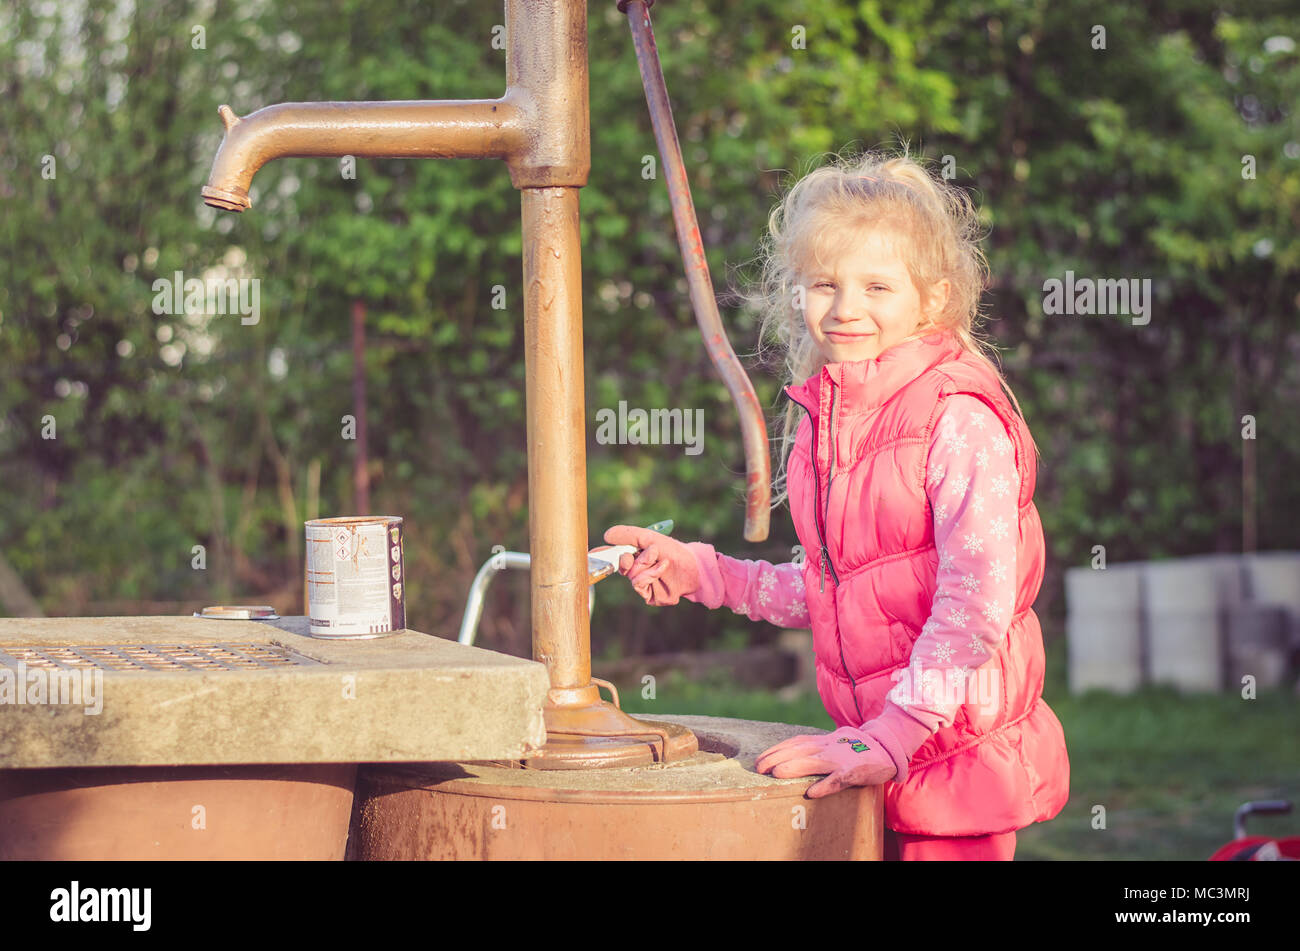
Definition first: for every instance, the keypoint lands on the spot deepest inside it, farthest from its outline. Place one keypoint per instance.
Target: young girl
(910, 482)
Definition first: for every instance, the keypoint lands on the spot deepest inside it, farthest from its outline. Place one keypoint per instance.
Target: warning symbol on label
(342, 544)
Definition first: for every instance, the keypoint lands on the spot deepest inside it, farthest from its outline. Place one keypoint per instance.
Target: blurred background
(1165, 148)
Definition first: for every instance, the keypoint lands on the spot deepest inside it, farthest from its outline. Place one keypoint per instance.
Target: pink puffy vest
(861, 513)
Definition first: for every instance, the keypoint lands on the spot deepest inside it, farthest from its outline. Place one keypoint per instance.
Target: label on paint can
(355, 576)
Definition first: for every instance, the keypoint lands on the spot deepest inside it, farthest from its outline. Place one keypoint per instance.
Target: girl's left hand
(848, 756)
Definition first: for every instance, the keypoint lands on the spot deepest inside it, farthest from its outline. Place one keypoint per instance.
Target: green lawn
(1170, 770)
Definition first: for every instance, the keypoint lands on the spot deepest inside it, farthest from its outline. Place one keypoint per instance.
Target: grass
(1168, 769)
(676, 694)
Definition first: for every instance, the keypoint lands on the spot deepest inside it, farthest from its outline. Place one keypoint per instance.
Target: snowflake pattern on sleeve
(763, 591)
(971, 483)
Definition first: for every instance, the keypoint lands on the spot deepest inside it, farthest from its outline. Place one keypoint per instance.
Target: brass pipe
(557, 447)
(540, 127)
(470, 128)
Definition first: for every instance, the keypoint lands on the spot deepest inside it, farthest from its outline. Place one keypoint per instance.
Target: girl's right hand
(663, 572)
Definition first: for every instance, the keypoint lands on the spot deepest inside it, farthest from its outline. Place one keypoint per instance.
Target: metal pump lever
(758, 471)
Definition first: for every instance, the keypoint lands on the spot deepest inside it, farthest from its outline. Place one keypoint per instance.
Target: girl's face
(866, 301)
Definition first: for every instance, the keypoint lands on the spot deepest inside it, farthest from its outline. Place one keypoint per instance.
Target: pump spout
(430, 128)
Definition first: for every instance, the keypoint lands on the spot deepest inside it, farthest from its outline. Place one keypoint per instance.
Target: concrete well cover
(145, 691)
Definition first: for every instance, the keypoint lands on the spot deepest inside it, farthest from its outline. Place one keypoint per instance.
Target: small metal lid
(239, 612)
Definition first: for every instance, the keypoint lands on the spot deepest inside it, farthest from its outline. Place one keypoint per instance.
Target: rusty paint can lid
(239, 612)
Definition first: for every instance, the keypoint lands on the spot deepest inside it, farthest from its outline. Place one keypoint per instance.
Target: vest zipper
(826, 554)
(830, 477)
(821, 537)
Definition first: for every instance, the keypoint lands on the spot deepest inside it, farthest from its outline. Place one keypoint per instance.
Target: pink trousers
(901, 847)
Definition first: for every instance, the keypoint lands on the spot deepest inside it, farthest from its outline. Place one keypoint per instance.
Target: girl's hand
(663, 572)
(848, 757)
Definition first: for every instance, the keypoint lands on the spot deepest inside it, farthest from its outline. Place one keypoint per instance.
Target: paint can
(355, 583)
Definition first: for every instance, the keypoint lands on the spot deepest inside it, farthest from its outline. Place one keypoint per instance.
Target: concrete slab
(281, 697)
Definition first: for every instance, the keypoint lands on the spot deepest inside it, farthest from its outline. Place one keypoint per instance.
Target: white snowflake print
(960, 484)
(998, 570)
(1001, 445)
(1001, 486)
(764, 596)
(970, 583)
(945, 560)
(978, 420)
(937, 473)
(959, 617)
(977, 503)
(982, 458)
(973, 543)
(942, 653)
(798, 609)
(976, 644)
(993, 612)
(798, 582)
(998, 527)
(941, 513)
(957, 443)
(768, 580)
(929, 627)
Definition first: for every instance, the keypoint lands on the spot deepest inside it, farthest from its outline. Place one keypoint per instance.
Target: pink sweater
(971, 484)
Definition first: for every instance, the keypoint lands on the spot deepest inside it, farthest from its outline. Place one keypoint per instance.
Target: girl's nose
(844, 310)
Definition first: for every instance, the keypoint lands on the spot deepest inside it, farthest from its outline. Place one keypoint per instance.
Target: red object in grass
(1259, 848)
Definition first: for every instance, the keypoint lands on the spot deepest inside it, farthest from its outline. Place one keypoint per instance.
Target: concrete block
(1257, 645)
(1181, 615)
(405, 697)
(1103, 627)
(1274, 578)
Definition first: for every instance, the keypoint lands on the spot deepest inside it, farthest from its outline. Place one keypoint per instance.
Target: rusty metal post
(547, 62)
(557, 452)
(548, 68)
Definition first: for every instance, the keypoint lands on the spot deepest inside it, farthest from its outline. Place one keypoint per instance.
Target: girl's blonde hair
(823, 214)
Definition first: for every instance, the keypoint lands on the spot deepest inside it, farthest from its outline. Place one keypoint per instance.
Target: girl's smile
(867, 302)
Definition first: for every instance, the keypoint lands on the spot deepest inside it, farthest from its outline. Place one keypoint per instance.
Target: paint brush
(604, 562)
